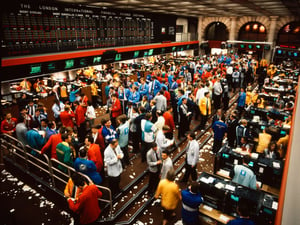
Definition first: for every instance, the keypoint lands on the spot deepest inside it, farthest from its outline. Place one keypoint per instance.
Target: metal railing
(186, 36)
(33, 162)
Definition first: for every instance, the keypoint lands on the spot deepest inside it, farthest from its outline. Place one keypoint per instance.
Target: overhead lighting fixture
(247, 28)
(262, 29)
(255, 26)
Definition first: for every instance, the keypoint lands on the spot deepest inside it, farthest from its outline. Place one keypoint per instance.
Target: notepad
(276, 165)
(230, 187)
(261, 170)
(204, 180)
(275, 205)
(206, 207)
(219, 185)
(224, 218)
(211, 180)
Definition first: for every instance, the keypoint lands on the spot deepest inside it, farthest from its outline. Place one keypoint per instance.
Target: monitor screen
(97, 60)
(226, 156)
(282, 132)
(36, 69)
(279, 52)
(69, 64)
(136, 54)
(118, 57)
(83, 62)
(51, 67)
(150, 52)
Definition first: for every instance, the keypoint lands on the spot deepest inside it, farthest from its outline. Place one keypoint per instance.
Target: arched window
(253, 31)
(216, 31)
(289, 34)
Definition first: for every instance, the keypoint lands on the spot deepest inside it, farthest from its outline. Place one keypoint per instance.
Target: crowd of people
(145, 113)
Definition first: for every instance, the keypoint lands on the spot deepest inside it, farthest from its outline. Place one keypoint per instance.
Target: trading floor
(141, 113)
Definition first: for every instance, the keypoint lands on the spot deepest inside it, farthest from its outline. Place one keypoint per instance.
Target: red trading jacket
(87, 204)
(169, 121)
(168, 96)
(53, 141)
(116, 109)
(94, 154)
(6, 127)
(100, 140)
(79, 115)
(66, 119)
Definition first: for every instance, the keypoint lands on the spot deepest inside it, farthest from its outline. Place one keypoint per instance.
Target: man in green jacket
(63, 152)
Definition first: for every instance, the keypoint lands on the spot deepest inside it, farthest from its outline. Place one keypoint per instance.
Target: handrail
(84, 175)
(14, 150)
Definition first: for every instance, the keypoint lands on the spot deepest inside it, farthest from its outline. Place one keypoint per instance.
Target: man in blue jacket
(191, 200)
(34, 138)
(87, 167)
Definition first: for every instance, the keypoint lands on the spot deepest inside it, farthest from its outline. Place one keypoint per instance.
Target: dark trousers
(82, 132)
(225, 101)
(95, 101)
(217, 101)
(113, 121)
(114, 183)
(231, 139)
(189, 170)
(125, 159)
(204, 119)
(153, 181)
(217, 145)
(135, 137)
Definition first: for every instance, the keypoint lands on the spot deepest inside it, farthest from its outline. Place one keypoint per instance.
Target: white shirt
(192, 153)
(90, 113)
(161, 141)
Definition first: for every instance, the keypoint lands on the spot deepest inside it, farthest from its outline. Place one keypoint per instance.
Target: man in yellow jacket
(205, 109)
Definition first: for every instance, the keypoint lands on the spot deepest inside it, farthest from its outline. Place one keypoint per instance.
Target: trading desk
(221, 197)
(268, 171)
(215, 214)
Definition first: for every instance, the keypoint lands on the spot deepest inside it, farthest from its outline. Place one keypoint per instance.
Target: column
(232, 29)
(271, 34)
(271, 37)
(199, 29)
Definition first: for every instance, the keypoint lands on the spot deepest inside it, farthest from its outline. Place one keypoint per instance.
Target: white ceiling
(195, 8)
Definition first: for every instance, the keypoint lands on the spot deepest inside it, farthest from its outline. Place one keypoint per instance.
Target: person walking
(192, 157)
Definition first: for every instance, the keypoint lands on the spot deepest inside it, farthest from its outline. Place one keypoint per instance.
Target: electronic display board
(136, 54)
(39, 27)
(97, 60)
(35, 69)
(69, 64)
(150, 52)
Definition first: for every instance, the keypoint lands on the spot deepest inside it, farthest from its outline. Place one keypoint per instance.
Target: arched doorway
(253, 31)
(216, 31)
(289, 34)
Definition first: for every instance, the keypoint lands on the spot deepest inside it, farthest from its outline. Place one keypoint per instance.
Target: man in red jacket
(53, 141)
(80, 120)
(86, 205)
(98, 138)
(169, 120)
(8, 125)
(67, 116)
(116, 109)
(94, 153)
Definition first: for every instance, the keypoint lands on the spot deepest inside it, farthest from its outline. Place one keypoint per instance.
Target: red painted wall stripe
(71, 55)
